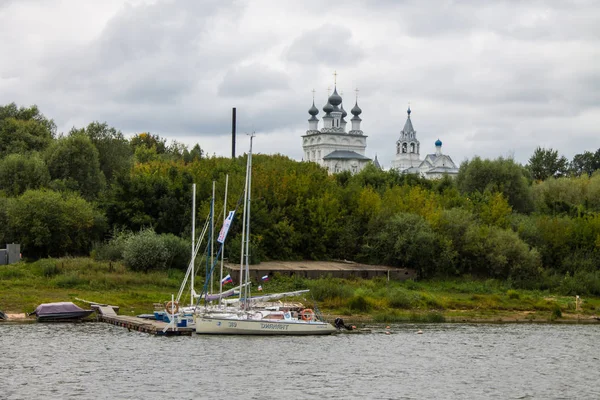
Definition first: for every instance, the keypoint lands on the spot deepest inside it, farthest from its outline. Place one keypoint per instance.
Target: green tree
(585, 163)
(149, 141)
(407, 240)
(73, 160)
(500, 175)
(545, 163)
(20, 172)
(24, 129)
(114, 151)
(48, 223)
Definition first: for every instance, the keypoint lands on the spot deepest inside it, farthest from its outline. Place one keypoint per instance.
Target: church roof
(345, 155)
(408, 128)
(376, 162)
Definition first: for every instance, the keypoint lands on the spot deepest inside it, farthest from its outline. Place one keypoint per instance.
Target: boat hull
(229, 326)
(64, 317)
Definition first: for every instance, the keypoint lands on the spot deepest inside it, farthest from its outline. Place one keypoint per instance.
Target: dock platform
(107, 314)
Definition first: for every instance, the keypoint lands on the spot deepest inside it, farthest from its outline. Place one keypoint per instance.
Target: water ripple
(448, 361)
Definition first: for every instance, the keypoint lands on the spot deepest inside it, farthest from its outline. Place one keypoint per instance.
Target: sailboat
(248, 320)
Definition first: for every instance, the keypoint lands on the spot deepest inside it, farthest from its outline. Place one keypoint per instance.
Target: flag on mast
(226, 280)
(225, 228)
(265, 278)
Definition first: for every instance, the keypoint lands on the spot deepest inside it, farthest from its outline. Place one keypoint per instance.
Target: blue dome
(313, 110)
(438, 143)
(328, 108)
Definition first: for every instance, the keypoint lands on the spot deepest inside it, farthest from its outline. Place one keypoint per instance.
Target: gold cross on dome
(328, 91)
(356, 90)
(335, 77)
(313, 92)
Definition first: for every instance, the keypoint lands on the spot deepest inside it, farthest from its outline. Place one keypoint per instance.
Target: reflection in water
(448, 361)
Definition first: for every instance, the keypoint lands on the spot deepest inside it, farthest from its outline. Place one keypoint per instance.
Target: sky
(488, 78)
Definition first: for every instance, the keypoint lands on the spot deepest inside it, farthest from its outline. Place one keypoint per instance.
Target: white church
(408, 158)
(331, 146)
(337, 150)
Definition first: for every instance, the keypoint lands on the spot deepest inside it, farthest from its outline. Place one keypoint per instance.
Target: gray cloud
(329, 44)
(251, 80)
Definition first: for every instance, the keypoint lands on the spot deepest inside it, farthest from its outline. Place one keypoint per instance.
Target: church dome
(356, 110)
(438, 143)
(335, 99)
(328, 107)
(313, 110)
(344, 113)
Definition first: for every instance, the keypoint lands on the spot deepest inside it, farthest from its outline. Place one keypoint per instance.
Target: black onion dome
(313, 110)
(356, 110)
(335, 99)
(328, 108)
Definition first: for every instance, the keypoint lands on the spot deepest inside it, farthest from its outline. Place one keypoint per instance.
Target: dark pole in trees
(233, 132)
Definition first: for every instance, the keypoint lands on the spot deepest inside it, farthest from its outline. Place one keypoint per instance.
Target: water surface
(447, 361)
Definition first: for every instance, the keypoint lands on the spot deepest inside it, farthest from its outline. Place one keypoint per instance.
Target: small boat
(62, 311)
(3, 316)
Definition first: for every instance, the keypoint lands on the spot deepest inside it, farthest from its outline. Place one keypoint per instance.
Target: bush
(145, 251)
(513, 294)
(400, 299)
(179, 251)
(113, 249)
(359, 303)
(327, 289)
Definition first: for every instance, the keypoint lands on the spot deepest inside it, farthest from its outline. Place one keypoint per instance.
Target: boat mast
(223, 244)
(247, 278)
(243, 242)
(212, 235)
(193, 258)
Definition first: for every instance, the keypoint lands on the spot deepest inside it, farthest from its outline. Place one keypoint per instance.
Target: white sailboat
(247, 320)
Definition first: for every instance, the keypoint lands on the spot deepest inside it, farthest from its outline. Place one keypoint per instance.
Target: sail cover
(56, 308)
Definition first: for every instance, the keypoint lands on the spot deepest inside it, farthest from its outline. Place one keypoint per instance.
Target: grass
(25, 285)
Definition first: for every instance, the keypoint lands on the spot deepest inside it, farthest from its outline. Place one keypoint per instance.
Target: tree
(24, 129)
(407, 240)
(149, 141)
(19, 172)
(48, 223)
(500, 175)
(73, 161)
(585, 163)
(114, 151)
(545, 163)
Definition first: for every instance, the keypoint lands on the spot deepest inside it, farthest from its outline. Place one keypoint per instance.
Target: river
(446, 361)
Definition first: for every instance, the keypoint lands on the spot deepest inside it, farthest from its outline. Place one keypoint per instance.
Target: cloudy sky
(488, 78)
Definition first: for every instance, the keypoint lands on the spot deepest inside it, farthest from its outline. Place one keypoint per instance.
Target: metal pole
(233, 123)
(193, 242)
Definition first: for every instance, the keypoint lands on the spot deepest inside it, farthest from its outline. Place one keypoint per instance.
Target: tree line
(93, 190)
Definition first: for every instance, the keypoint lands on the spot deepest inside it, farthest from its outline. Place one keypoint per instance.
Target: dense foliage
(534, 226)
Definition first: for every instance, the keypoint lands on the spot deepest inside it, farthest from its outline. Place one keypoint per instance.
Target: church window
(313, 155)
(404, 147)
(412, 147)
(319, 154)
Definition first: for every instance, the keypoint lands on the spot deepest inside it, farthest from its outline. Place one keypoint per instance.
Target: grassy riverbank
(25, 285)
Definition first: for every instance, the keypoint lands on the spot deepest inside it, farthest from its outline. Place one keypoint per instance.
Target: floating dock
(160, 328)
